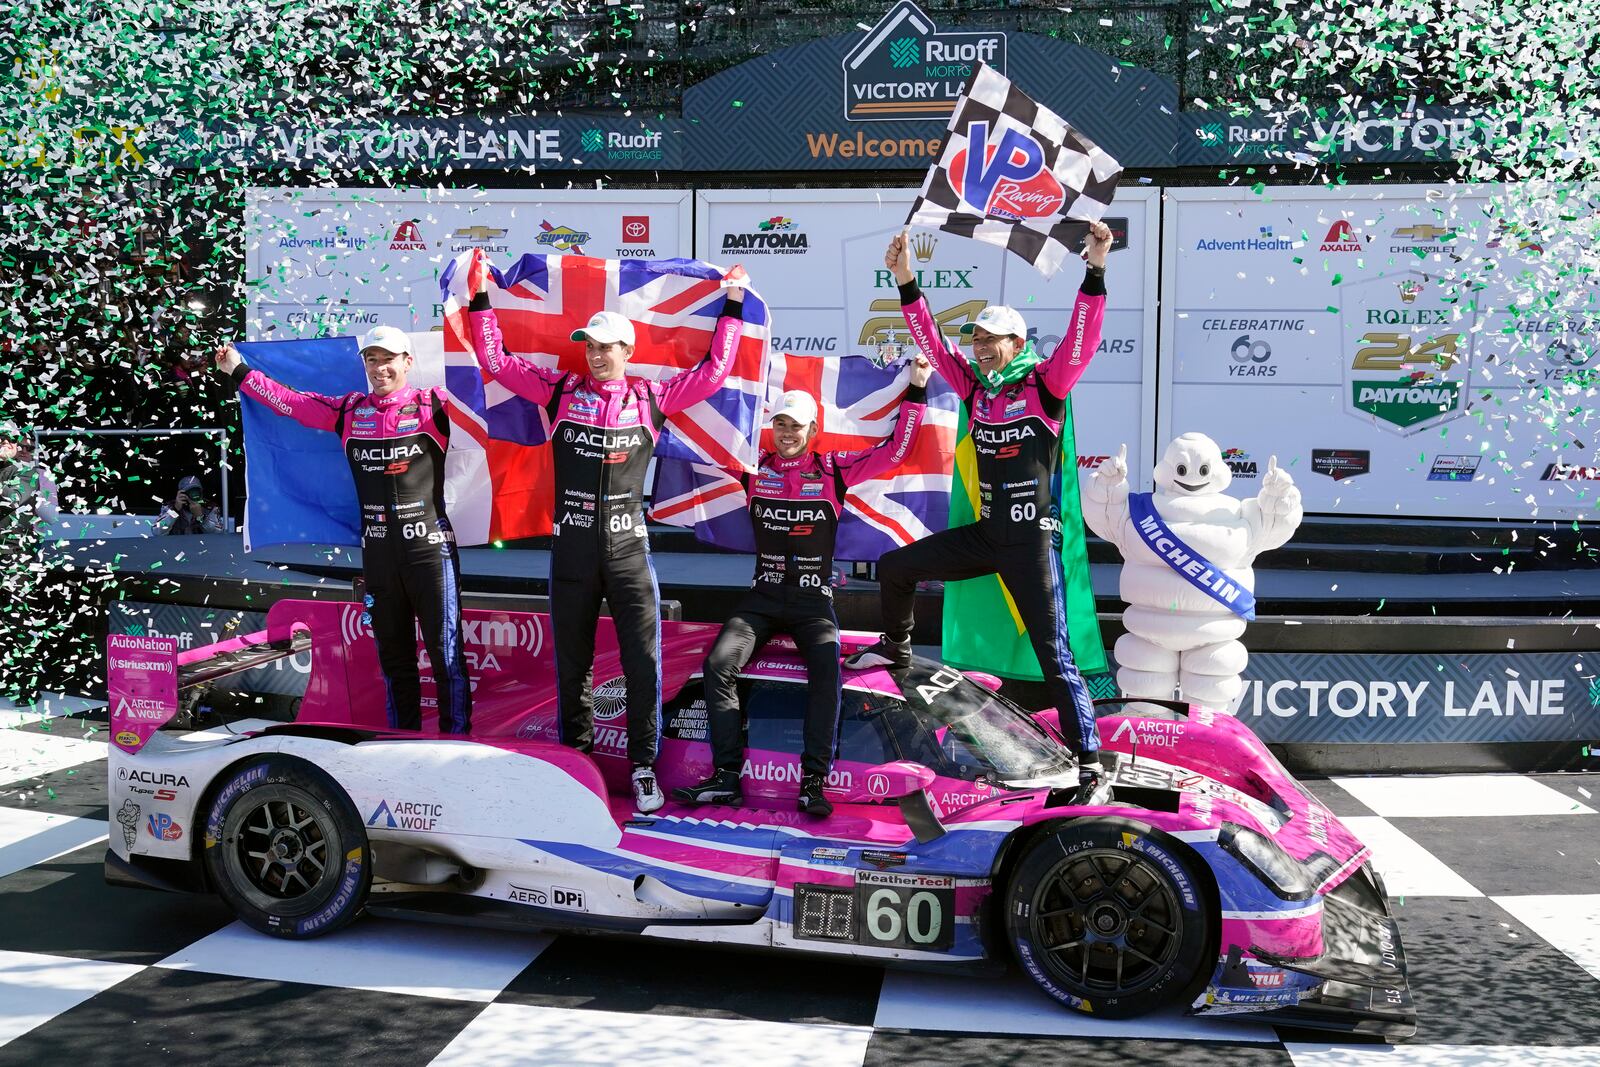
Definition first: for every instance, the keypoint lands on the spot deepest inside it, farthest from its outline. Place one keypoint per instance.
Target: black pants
(808, 617)
(419, 586)
(1032, 574)
(628, 584)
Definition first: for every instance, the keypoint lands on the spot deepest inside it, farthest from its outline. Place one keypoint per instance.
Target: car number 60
(908, 918)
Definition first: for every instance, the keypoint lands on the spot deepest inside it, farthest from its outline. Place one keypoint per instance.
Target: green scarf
(1011, 373)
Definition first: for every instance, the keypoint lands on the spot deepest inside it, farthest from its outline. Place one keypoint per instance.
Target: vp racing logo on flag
(1406, 352)
(905, 69)
(1008, 178)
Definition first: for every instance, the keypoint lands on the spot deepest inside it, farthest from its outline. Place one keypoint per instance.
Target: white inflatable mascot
(1187, 551)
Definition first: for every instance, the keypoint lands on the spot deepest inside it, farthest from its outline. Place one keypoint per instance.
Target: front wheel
(1108, 917)
(286, 848)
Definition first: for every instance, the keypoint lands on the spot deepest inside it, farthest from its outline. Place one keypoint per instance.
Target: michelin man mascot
(1187, 551)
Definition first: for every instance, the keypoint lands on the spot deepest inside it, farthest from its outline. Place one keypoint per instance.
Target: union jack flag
(540, 300)
(858, 402)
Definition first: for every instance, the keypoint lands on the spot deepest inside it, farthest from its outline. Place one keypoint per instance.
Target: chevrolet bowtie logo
(1422, 232)
(478, 233)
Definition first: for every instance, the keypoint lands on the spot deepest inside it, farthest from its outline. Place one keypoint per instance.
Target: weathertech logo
(1341, 238)
(1341, 463)
(1560, 472)
(408, 238)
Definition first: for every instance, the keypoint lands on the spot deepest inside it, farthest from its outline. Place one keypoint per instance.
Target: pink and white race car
(1213, 881)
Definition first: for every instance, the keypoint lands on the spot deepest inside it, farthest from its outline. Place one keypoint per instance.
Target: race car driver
(604, 426)
(796, 497)
(395, 439)
(1016, 401)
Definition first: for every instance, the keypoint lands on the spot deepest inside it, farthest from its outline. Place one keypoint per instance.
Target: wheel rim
(281, 848)
(1106, 922)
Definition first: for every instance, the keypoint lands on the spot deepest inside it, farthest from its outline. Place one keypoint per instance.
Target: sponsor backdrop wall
(817, 256)
(326, 262)
(1370, 338)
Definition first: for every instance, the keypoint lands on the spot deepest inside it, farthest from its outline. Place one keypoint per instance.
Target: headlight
(1281, 872)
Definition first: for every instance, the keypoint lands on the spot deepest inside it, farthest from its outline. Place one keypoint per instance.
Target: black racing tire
(286, 849)
(1109, 917)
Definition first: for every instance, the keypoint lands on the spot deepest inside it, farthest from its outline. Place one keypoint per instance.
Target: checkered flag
(1034, 186)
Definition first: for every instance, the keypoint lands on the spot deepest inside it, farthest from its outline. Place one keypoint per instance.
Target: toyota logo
(635, 229)
(878, 784)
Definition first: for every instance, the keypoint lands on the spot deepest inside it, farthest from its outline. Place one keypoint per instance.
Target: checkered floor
(1496, 880)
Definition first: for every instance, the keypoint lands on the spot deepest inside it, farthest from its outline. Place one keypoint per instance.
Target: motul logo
(391, 454)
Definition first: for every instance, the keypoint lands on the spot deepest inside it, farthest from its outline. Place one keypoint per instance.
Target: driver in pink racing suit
(1016, 418)
(603, 428)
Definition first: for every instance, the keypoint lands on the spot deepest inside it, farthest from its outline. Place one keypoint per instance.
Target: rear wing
(144, 674)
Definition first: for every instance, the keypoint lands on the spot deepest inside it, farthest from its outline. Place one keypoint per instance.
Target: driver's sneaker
(812, 802)
(646, 793)
(1094, 788)
(895, 655)
(723, 787)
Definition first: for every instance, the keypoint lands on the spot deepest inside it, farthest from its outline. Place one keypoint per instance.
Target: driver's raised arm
(312, 410)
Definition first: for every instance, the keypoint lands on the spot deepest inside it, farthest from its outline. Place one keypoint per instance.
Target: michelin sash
(1188, 564)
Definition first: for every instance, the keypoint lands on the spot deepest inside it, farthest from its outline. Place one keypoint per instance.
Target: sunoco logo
(1409, 353)
(564, 238)
(905, 69)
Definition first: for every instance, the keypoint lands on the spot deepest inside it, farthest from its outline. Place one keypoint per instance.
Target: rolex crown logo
(1409, 291)
(922, 246)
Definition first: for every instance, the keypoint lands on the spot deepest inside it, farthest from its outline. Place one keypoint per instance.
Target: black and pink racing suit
(794, 507)
(396, 446)
(1016, 434)
(603, 435)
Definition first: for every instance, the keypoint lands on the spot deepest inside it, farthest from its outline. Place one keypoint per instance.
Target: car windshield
(961, 729)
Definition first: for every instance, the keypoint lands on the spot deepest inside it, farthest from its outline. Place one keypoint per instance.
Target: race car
(1212, 881)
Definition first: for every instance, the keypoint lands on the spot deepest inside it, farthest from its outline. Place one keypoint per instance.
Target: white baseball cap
(999, 320)
(388, 338)
(799, 405)
(607, 327)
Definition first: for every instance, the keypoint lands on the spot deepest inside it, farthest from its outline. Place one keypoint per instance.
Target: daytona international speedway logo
(1406, 351)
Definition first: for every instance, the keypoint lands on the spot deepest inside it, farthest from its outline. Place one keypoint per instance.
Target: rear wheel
(1108, 917)
(286, 849)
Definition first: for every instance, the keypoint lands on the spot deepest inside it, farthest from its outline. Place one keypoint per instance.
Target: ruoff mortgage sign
(905, 69)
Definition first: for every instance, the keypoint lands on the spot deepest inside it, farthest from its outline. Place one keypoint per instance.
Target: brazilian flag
(982, 630)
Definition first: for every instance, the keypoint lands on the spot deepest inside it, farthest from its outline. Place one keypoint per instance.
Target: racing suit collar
(777, 462)
(399, 396)
(615, 385)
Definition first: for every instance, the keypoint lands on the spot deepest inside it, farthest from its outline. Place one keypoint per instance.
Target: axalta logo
(905, 69)
(1008, 177)
(1341, 238)
(564, 238)
(772, 236)
(390, 454)
(408, 238)
(986, 435)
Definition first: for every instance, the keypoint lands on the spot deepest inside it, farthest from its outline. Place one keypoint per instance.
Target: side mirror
(886, 781)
